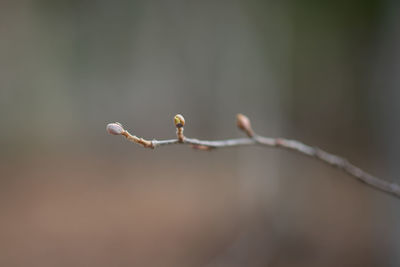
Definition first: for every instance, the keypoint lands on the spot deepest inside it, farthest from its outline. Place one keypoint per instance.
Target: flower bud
(179, 121)
(115, 128)
(244, 124)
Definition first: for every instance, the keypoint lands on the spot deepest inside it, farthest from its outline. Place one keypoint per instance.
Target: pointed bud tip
(179, 121)
(243, 122)
(115, 128)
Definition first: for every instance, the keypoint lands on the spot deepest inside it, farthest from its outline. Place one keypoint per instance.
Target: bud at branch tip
(243, 122)
(179, 121)
(115, 128)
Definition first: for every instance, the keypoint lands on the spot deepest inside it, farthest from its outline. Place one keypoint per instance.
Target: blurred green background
(323, 72)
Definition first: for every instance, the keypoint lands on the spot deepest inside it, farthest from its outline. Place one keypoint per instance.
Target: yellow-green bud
(179, 121)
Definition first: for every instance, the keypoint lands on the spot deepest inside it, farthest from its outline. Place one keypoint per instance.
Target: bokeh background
(323, 72)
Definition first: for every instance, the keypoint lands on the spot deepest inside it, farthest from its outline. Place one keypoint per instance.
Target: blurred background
(323, 72)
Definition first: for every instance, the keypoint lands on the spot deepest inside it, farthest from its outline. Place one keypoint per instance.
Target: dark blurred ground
(324, 72)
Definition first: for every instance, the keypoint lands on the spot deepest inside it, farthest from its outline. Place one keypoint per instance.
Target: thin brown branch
(253, 139)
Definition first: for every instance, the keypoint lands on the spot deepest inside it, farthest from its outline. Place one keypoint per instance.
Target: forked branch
(252, 138)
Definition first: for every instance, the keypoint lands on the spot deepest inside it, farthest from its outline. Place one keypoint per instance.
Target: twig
(253, 139)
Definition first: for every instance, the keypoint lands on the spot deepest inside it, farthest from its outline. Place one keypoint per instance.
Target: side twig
(252, 138)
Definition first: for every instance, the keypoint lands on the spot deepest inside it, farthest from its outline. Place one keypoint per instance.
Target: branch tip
(179, 121)
(243, 123)
(115, 128)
